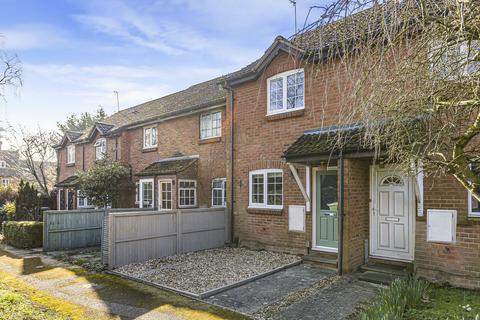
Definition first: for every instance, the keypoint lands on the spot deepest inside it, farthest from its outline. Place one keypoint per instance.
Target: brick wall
(260, 142)
(459, 263)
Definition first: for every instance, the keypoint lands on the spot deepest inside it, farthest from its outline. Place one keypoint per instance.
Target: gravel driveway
(202, 271)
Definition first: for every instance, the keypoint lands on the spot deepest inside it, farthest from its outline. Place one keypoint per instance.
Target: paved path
(86, 295)
(300, 292)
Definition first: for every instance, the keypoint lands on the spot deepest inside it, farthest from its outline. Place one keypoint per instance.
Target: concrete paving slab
(335, 302)
(251, 297)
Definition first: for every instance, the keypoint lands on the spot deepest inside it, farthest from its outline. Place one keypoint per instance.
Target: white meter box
(441, 226)
(296, 218)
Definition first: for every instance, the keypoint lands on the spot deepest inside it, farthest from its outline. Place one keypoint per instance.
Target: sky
(75, 53)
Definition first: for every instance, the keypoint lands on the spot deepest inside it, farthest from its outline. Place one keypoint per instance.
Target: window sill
(152, 149)
(71, 164)
(268, 211)
(284, 115)
(210, 140)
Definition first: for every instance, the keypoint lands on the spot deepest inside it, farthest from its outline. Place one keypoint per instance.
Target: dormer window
(286, 92)
(3, 164)
(71, 154)
(100, 149)
(150, 137)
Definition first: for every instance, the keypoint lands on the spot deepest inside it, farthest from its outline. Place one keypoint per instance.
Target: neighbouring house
(290, 185)
(173, 145)
(13, 169)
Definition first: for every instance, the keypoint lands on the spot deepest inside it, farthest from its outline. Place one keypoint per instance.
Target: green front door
(326, 219)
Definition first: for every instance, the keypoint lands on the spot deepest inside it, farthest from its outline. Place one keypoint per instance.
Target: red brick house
(174, 146)
(293, 192)
(288, 189)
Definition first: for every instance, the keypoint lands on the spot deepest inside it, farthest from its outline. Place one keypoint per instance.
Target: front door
(325, 235)
(165, 195)
(392, 215)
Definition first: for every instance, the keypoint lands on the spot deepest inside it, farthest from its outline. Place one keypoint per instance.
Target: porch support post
(342, 214)
(308, 172)
(299, 182)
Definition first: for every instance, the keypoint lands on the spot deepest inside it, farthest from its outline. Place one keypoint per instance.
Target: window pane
(295, 86)
(276, 94)
(274, 188)
(257, 188)
(475, 205)
(328, 192)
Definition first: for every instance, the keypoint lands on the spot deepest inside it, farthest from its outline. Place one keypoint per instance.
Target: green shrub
(10, 209)
(400, 296)
(23, 234)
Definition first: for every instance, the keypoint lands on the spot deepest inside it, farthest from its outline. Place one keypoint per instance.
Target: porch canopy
(69, 182)
(171, 166)
(323, 144)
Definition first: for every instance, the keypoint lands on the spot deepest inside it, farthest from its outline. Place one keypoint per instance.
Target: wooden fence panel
(141, 236)
(72, 229)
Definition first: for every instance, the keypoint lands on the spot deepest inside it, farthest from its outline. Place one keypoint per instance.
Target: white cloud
(31, 36)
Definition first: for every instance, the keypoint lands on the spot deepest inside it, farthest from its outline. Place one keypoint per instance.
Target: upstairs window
(211, 125)
(219, 192)
(150, 137)
(286, 92)
(5, 182)
(71, 154)
(187, 193)
(473, 206)
(100, 149)
(3, 164)
(266, 189)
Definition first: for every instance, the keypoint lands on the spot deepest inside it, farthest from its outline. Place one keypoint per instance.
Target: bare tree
(409, 72)
(10, 72)
(36, 154)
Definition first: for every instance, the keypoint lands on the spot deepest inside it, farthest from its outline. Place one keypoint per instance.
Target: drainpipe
(342, 213)
(232, 184)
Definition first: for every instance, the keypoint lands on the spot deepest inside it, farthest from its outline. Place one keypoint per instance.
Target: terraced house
(288, 189)
(174, 146)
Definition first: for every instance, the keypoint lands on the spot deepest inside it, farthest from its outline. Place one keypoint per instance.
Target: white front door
(165, 195)
(391, 215)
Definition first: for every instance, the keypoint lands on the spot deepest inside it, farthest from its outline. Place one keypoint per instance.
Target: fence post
(179, 231)
(227, 225)
(111, 241)
(45, 231)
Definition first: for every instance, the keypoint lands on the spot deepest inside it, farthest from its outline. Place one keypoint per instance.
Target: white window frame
(470, 207)
(210, 115)
(103, 149)
(5, 182)
(223, 190)
(160, 190)
(194, 189)
(284, 76)
(264, 205)
(71, 154)
(150, 130)
(3, 164)
(137, 192)
(142, 181)
(86, 203)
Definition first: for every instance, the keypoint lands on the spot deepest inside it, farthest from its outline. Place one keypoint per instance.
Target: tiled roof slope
(168, 166)
(200, 95)
(325, 141)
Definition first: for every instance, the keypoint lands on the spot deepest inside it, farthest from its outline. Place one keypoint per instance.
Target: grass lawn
(15, 305)
(447, 303)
